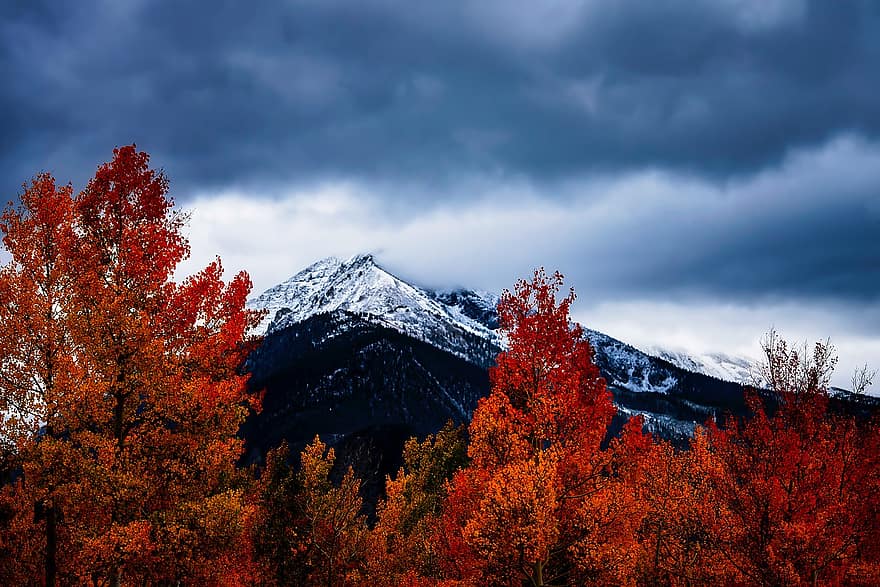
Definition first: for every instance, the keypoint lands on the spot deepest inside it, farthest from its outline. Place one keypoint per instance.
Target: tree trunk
(539, 574)
(51, 546)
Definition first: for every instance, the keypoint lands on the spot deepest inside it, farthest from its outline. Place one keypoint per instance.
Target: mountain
(365, 360)
(719, 365)
(460, 322)
(350, 347)
(340, 374)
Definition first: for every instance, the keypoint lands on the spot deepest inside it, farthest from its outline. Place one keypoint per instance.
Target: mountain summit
(356, 354)
(455, 321)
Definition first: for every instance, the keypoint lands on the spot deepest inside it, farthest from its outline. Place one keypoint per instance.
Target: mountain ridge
(448, 319)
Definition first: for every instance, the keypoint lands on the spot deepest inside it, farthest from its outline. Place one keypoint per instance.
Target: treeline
(123, 396)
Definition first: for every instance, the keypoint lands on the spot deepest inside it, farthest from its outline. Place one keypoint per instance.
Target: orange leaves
(133, 230)
(125, 395)
(405, 544)
(135, 377)
(336, 531)
(511, 525)
(542, 499)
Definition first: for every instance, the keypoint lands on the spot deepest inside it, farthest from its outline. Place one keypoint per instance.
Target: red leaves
(135, 377)
(796, 492)
(542, 499)
(787, 496)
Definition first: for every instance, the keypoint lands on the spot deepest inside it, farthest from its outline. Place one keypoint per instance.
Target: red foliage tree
(124, 386)
(797, 483)
(543, 501)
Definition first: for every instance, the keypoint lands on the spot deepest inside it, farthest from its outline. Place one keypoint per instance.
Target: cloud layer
(806, 230)
(223, 94)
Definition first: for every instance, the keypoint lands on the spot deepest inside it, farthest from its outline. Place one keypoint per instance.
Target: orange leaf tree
(38, 359)
(544, 501)
(124, 386)
(797, 483)
(677, 540)
(403, 546)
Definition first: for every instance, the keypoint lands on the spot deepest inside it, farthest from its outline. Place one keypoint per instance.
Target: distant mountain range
(719, 365)
(358, 355)
(360, 286)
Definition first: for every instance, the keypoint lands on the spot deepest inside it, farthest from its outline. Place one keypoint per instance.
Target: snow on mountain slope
(449, 320)
(460, 321)
(627, 367)
(476, 305)
(718, 365)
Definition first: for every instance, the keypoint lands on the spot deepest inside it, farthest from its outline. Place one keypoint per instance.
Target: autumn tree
(677, 544)
(309, 528)
(278, 536)
(38, 365)
(797, 482)
(124, 386)
(403, 545)
(544, 501)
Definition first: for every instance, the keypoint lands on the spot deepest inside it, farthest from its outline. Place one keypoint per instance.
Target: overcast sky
(700, 170)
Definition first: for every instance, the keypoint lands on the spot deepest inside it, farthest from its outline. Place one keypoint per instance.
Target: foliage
(797, 489)
(543, 500)
(309, 529)
(403, 543)
(787, 496)
(123, 386)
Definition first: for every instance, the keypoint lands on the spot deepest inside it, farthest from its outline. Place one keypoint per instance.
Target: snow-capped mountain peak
(337, 299)
(451, 320)
(718, 365)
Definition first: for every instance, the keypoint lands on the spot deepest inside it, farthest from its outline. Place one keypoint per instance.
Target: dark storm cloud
(223, 93)
(802, 249)
(806, 230)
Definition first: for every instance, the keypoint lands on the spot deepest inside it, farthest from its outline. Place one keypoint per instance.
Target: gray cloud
(710, 151)
(223, 95)
(804, 232)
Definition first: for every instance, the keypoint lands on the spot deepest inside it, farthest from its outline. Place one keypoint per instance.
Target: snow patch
(448, 320)
(718, 365)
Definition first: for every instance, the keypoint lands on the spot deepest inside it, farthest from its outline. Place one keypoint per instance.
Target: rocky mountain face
(460, 322)
(352, 351)
(340, 374)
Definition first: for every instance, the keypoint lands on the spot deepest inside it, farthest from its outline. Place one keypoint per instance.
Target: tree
(309, 529)
(544, 501)
(677, 543)
(403, 544)
(279, 529)
(37, 352)
(125, 386)
(796, 483)
(335, 530)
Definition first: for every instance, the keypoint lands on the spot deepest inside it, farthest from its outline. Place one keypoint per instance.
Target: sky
(700, 170)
